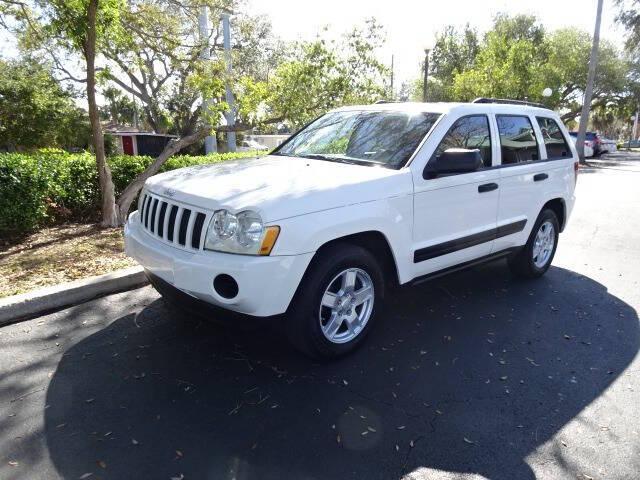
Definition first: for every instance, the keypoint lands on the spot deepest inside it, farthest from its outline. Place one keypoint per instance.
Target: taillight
(575, 173)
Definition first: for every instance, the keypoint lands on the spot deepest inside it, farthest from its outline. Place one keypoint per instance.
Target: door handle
(540, 176)
(487, 187)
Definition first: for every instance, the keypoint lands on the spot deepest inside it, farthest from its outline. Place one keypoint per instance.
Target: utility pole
(588, 92)
(210, 144)
(230, 115)
(426, 74)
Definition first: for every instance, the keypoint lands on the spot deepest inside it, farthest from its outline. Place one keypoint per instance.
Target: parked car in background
(588, 149)
(251, 145)
(630, 144)
(362, 199)
(591, 139)
(608, 145)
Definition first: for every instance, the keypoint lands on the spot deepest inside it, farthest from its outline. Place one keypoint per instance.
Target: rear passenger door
(528, 177)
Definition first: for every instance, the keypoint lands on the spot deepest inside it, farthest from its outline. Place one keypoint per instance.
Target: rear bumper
(266, 285)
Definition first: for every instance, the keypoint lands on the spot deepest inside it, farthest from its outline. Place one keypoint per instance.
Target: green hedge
(48, 186)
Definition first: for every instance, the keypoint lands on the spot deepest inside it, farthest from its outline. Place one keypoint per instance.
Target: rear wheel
(536, 256)
(336, 303)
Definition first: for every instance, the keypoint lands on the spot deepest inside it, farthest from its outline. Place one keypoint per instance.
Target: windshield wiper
(333, 158)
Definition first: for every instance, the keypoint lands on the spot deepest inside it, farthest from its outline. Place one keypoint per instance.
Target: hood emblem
(169, 192)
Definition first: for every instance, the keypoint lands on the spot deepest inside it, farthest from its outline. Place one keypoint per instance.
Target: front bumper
(266, 284)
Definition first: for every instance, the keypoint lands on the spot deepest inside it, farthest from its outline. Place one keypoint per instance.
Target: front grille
(172, 222)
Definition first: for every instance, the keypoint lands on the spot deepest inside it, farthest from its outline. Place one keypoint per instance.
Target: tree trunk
(174, 146)
(109, 212)
(588, 92)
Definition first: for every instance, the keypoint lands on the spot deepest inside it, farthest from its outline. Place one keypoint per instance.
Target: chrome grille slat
(165, 222)
(176, 225)
(184, 224)
(156, 216)
(192, 221)
(163, 219)
(152, 218)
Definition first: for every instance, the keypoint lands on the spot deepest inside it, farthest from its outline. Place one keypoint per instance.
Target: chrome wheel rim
(543, 244)
(346, 305)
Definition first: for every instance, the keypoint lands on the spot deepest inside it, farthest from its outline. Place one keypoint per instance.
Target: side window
(553, 138)
(517, 139)
(470, 133)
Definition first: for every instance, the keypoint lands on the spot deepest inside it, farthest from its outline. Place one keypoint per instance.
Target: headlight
(241, 233)
(225, 224)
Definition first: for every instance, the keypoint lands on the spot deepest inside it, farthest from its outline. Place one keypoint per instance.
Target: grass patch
(61, 254)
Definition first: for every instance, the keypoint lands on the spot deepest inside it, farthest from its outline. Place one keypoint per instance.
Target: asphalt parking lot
(471, 376)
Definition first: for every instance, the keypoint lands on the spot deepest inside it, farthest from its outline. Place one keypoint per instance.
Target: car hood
(278, 186)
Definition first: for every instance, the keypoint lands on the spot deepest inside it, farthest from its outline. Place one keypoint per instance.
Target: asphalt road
(471, 376)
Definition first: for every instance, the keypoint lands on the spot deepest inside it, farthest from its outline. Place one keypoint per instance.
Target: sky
(411, 25)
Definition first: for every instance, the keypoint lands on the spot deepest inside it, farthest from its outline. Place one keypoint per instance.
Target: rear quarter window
(554, 141)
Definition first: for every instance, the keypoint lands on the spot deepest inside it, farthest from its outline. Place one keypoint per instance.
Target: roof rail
(379, 102)
(507, 101)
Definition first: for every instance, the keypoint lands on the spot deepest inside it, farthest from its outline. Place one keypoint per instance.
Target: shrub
(50, 185)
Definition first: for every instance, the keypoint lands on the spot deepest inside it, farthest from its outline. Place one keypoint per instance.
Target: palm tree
(588, 92)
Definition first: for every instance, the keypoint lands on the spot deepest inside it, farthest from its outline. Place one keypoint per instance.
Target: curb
(28, 305)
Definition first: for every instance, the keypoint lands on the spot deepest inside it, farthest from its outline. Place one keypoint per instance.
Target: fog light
(225, 286)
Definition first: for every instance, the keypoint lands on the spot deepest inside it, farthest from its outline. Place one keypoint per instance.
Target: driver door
(455, 214)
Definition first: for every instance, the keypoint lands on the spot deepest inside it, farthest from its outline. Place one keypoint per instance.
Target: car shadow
(469, 373)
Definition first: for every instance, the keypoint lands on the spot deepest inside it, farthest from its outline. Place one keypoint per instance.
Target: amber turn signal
(269, 240)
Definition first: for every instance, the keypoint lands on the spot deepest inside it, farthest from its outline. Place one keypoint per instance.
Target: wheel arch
(376, 243)
(559, 207)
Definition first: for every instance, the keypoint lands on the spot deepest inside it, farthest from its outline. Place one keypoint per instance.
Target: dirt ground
(60, 254)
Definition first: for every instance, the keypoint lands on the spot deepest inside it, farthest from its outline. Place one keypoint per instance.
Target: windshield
(384, 138)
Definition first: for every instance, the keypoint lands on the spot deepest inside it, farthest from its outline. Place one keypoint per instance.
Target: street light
(547, 92)
(426, 73)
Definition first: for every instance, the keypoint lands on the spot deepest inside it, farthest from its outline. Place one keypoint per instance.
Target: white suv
(362, 198)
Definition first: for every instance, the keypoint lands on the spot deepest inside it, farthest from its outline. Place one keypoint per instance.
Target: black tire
(303, 317)
(522, 263)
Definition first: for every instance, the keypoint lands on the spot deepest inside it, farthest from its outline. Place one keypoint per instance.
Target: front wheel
(536, 256)
(337, 302)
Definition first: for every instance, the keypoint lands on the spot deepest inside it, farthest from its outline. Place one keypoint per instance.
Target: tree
(83, 29)
(119, 108)
(566, 70)
(157, 60)
(35, 111)
(629, 17)
(319, 75)
(593, 63)
(74, 27)
(509, 62)
(454, 51)
(519, 59)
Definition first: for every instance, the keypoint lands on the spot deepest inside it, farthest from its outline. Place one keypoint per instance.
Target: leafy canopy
(36, 111)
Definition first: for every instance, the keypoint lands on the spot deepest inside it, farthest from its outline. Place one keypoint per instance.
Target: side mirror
(453, 161)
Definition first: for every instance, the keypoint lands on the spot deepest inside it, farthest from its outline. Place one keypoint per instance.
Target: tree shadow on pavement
(470, 373)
